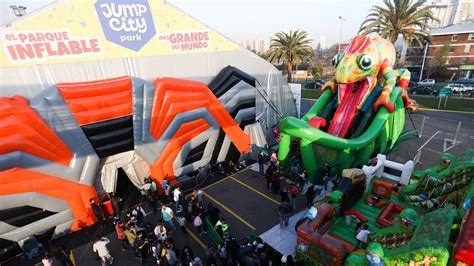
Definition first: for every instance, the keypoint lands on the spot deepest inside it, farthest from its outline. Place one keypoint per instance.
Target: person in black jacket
(310, 195)
(96, 208)
(285, 211)
(268, 176)
(115, 204)
(213, 213)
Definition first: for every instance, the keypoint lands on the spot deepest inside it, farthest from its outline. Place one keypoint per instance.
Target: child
(362, 236)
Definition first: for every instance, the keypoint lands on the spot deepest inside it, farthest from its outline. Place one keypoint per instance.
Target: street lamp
(340, 35)
(19, 10)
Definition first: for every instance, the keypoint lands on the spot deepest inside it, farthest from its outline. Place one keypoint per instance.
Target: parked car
(313, 85)
(423, 90)
(460, 88)
(427, 82)
(322, 81)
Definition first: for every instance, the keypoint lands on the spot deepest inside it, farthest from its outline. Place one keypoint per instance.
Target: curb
(445, 111)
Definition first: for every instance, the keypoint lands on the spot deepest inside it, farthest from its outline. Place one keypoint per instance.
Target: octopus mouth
(350, 96)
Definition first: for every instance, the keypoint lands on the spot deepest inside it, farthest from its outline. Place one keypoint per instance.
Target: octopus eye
(364, 62)
(336, 59)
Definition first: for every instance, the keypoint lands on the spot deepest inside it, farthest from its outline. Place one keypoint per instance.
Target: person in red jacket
(293, 191)
(119, 228)
(276, 182)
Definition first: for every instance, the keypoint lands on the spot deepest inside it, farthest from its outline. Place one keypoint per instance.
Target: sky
(259, 19)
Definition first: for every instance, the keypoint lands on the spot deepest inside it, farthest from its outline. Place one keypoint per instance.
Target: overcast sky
(255, 19)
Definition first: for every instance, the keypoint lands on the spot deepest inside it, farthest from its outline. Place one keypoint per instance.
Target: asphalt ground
(248, 207)
(81, 242)
(246, 204)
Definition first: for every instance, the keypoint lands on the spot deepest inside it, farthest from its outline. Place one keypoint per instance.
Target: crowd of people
(156, 243)
(247, 252)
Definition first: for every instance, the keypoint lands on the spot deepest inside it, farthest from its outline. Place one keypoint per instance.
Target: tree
(290, 48)
(438, 63)
(317, 72)
(408, 18)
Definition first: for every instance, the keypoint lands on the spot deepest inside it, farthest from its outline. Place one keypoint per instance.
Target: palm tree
(408, 18)
(290, 48)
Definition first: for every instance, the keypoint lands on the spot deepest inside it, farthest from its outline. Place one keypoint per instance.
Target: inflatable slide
(361, 112)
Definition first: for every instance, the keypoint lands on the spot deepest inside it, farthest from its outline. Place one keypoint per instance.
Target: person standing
(139, 213)
(176, 198)
(131, 238)
(152, 200)
(294, 172)
(326, 170)
(160, 232)
(199, 195)
(153, 184)
(213, 213)
(362, 236)
(142, 245)
(63, 254)
(182, 223)
(167, 214)
(166, 186)
(276, 182)
(303, 180)
(100, 246)
(268, 176)
(273, 158)
(261, 163)
(285, 210)
(310, 195)
(121, 235)
(171, 257)
(144, 192)
(293, 191)
(224, 226)
(187, 255)
(198, 223)
(115, 204)
(284, 195)
(97, 210)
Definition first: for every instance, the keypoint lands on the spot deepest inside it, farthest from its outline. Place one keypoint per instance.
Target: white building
(449, 11)
(259, 45)
(322, 41)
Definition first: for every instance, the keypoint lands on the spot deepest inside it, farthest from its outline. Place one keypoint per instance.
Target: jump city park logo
(128, 23)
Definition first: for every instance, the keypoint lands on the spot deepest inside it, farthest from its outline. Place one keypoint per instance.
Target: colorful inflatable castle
(373, 216)
(406, 224)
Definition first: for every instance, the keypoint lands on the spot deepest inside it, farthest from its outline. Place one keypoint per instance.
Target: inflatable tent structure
(92, 86)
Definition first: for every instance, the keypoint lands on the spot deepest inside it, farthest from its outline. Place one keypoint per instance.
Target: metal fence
(435, 136)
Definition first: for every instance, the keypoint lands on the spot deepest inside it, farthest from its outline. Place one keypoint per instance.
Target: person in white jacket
(100, 246)
(176, 194)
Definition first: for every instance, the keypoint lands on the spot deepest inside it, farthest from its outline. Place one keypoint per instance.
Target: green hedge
(454, 104)
(310, 94)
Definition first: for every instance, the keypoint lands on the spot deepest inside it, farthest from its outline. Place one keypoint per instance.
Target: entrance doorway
(125, 189)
